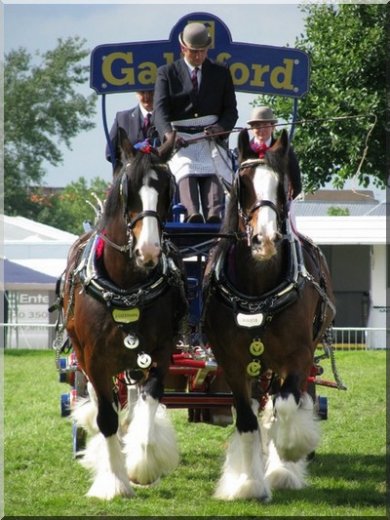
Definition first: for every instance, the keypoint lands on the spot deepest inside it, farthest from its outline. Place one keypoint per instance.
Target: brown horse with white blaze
(124, 299)
(267, 303)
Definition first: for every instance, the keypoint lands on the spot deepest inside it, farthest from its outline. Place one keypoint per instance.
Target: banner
(257, 69)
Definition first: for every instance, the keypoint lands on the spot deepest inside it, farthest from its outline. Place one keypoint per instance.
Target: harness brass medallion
(256, 348)
(254, 368)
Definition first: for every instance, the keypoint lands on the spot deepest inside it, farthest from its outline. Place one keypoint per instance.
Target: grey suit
(131, 121)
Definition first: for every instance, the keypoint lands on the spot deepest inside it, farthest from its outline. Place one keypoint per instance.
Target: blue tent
(15, 274)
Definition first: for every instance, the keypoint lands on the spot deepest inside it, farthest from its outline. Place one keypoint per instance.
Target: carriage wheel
(65, 405)
(79, 437)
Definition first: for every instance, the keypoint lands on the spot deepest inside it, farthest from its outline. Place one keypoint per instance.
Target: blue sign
(258, 69)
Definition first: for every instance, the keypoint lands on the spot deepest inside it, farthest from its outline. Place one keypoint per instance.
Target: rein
(292, 123)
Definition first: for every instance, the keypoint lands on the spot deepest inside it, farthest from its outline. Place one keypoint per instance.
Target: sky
(38, 26)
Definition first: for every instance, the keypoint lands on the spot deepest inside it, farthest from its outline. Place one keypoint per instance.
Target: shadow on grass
(342, 480)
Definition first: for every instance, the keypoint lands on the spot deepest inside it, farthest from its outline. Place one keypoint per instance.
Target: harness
(97, 285)
(254, 311)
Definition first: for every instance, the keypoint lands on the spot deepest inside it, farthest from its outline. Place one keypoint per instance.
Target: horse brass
(256, 348)
(254, 368)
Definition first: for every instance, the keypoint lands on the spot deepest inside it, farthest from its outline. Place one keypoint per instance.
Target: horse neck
(255, 277)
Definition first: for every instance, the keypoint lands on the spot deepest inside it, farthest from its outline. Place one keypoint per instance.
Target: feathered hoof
(246, 490)
(296, 431)
(283, 478)
(108, 486)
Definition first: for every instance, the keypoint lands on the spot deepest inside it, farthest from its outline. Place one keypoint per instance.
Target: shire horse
(268, 301)
(124, 299)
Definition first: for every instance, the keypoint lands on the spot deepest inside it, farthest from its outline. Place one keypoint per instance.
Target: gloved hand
(212, 130)
(179, 142)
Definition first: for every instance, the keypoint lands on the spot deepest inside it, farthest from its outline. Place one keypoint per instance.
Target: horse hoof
(265, 499)
(148, 485)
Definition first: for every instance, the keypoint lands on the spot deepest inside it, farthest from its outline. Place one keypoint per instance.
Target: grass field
(347, 476)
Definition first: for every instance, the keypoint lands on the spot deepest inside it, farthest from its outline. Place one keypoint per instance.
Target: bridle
(246, 216)
(131, 223)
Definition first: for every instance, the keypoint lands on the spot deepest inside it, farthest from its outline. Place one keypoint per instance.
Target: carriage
(189, 300)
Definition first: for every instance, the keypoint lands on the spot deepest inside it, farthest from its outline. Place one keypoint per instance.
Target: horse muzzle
(147, 256)
(264, 247)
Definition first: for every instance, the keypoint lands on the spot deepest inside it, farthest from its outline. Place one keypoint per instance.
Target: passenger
(195, 97)
(262, 124)
(136, 122)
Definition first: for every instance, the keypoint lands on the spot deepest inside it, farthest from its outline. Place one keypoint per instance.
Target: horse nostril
(149, 264)
(256, 240)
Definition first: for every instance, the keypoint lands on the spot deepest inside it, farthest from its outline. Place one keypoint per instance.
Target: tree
(42, 109)
(67, 209)
(348, 47)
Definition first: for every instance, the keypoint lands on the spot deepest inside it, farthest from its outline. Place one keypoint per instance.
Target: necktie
(194, 79)
(146, 125)
(260, 149)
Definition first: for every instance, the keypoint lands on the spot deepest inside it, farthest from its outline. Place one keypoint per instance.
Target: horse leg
(103, 454)
(243, 471)
(279, 474)
(150, 442)
(296, 431)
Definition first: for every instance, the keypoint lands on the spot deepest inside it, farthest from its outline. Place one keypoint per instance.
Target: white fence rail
(41, 336)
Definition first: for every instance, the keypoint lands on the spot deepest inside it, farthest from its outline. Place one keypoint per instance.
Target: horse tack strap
(126, 304)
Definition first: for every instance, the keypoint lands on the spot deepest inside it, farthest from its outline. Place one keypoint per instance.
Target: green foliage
(42, 108)
(348, 47)
(69, 208)
(347, 477)
(335, 211)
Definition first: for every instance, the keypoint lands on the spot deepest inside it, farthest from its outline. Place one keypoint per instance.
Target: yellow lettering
(240, 73)
(169, 57)
(148, 74)
(128, 72)
(222, 57)
(258, 72)
(281, 76)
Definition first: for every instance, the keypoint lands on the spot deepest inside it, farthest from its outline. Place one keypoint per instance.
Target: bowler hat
(195, 36)
(262, 114)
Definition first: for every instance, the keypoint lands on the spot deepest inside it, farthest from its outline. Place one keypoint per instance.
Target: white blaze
(265, 182)
(148, 243)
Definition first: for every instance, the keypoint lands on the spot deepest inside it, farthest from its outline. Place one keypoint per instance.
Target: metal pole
(106, 132)
(294, 118)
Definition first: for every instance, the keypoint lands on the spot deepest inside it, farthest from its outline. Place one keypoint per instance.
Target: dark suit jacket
(174, 98)
(131, 121)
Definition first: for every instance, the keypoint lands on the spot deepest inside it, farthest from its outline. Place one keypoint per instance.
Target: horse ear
(125, 150)
(282, 144)
(165, 150)
(244, 147)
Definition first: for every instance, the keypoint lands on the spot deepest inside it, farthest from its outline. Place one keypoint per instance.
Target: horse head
(140, 199)
(261, 194)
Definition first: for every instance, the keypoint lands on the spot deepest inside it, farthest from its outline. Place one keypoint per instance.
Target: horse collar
(126, 304)
(255, 311)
